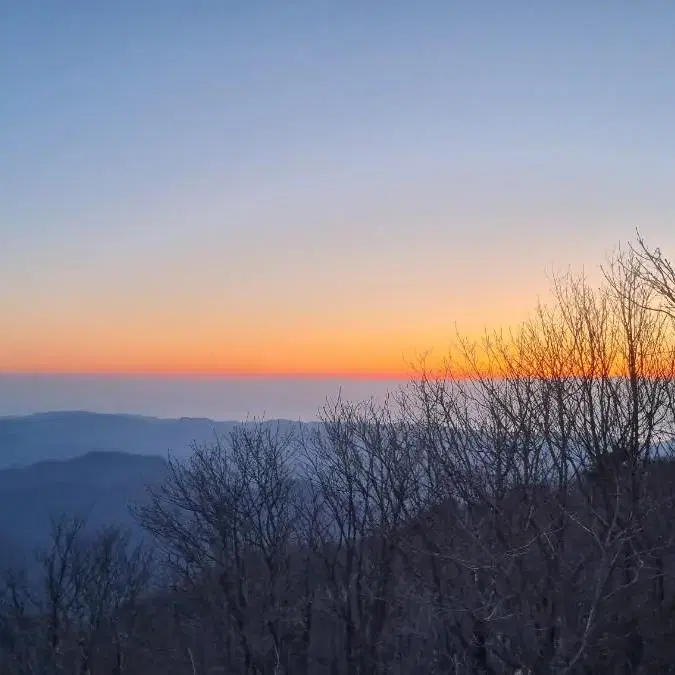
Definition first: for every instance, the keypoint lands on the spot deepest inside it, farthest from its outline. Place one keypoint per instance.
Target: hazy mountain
(98, 485)
(86, 463)
(63, 435)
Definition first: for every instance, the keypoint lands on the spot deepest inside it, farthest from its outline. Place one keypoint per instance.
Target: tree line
(512, 514)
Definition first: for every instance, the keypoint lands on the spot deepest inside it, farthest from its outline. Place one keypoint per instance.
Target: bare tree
(544, 453)
(229, 520)
(77, 611)
(656, 272)
(362, 462)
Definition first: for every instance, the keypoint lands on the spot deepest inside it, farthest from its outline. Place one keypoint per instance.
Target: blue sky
(313, 186)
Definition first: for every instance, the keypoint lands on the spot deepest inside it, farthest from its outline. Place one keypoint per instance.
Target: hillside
(99, 485)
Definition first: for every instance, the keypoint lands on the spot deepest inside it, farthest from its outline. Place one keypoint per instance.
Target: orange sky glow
(337, 199)
(181, 342)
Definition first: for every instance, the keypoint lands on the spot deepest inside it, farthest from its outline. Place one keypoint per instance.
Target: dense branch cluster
(517, 521)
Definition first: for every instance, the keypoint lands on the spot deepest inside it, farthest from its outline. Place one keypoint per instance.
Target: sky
(315, 188)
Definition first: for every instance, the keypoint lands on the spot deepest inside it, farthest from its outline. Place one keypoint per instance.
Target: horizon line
(215, 374)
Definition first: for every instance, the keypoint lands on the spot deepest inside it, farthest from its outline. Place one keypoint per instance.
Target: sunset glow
(182, 197)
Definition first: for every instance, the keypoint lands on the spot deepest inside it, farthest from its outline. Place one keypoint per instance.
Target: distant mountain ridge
(60, 435)
(88, 464)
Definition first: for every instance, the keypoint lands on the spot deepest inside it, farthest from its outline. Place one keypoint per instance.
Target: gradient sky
(315, 187)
